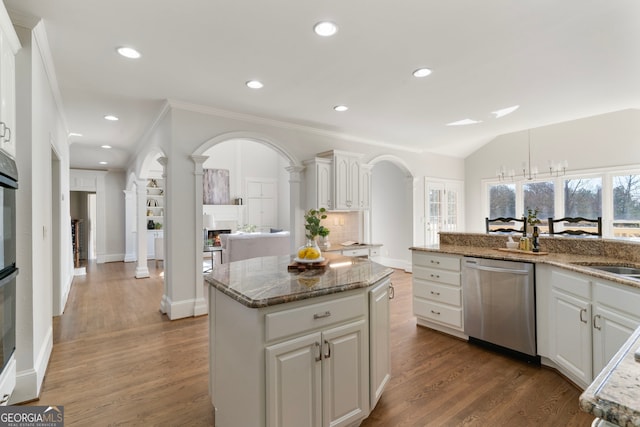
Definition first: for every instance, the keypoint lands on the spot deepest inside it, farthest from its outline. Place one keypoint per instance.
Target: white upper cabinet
(319, 180)
(9, 46)
(337, 180)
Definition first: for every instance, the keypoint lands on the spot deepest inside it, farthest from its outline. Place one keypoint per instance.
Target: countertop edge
(564, 261)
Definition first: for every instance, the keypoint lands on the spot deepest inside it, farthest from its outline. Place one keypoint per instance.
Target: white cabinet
(379, 341)
(437, 291)
(155, 202)
(364, 189)
(261, 203)
(319, 182)
(346, 181)
(152, 235)
(9, 46)
(589, 320)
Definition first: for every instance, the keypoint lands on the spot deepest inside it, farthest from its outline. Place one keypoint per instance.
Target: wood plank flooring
(117, 361)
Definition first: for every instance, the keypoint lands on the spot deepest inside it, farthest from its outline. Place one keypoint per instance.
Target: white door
(294, 388)
(571, 334)
(261, 204)
(443, 208)
(345, 374)
(379, 341)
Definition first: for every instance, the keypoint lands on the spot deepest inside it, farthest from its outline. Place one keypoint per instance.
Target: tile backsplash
(343, 226)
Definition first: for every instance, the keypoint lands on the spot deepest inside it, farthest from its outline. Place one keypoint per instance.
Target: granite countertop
(338, 247)
(262, 282)
(614, 395)
(571, 254)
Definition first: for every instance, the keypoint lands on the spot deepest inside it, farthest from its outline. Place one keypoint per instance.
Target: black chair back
(576, 226)
(506, 225)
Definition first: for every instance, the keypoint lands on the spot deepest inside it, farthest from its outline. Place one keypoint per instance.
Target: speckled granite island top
(614, 395)
(262, 282)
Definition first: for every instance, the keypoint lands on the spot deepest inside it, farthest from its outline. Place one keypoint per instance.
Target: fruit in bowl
(309, 253)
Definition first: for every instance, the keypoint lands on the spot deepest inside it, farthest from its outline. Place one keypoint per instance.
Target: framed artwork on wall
(215, 183)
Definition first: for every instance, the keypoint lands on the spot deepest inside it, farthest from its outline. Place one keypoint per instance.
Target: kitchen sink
(621, 270)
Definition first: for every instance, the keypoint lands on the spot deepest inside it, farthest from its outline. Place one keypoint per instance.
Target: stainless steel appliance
(499, 303)
(8, 270)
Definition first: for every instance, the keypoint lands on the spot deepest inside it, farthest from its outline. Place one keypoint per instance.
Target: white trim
(29, 381)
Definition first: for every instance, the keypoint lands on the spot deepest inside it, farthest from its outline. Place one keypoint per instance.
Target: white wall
(595, 142)
(114, 183)
(39, 129)
(392, 211)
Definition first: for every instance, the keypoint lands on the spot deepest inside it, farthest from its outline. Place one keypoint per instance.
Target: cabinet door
(364, 190)
(293, 383)
(323, 171)
(341, 182)
(570, 341)
(611, 329)
(345, 374)
(379, 341)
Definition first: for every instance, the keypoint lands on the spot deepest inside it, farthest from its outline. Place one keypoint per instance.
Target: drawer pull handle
(435, 293)
(5, 398)
(595, 326)
(322, 315)
(435, 262)
(392, 291)
(319, 356)
(328, 353)
(435, 312)
(437, 276)
(585, 312)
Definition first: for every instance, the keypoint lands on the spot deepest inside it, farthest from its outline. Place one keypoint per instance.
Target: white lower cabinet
(379, 341)
(318, 379)
(589, 320)
(437, 291)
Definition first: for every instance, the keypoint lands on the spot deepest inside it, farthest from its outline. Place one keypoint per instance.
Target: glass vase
(310, 252)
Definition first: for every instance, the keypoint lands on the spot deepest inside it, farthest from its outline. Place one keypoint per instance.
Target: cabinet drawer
(428, 259)
(447, 315)
(374, 251)
(433, 275)
(7, 381)
(356, 252)
(297, 321)
(439, 293)
(622, 298)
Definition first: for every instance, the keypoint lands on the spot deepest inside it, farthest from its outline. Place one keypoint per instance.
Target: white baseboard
(29, 381)
(186, 308)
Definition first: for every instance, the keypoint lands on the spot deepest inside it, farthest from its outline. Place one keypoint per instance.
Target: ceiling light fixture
(341, 108)
(325, 28)
(254, 84)
(111, 118)
(530, 172)
(464, 122)
(75, 134)
(128, 52)
(104, 163)
(505, 111)
(106, 147)
(421, 72)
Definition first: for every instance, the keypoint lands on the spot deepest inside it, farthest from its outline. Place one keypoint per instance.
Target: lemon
(312, 253)
(302, 253)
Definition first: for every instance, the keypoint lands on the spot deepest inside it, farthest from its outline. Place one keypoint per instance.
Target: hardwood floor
(117, 361)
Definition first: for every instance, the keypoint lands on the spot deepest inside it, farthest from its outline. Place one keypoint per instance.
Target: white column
(142, 270)
(129, 225)
(296, 207)
(166, 263)
(200, 304)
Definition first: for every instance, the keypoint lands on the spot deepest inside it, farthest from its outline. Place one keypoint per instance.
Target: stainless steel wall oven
(8, 269)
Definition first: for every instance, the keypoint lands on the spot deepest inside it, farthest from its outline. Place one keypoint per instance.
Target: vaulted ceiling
(557, 60)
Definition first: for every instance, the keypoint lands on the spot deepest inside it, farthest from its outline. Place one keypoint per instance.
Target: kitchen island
(293, 348)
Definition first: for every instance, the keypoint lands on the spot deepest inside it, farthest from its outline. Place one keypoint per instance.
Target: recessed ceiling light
(104, 163)
(111, 118)
(105, 146)
(128, 52)
(75, 134)
(421, 72)
(503, 112)
(464, 122)
(325, 28)
(254, 84)
(341, 108)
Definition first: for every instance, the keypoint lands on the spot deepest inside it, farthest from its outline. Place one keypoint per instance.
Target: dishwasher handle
(495, 269)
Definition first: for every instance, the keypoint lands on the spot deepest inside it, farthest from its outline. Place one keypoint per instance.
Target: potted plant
(311, 251)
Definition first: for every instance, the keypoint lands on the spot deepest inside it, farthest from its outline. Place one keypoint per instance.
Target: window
(540, 196)
(626, 206)
(502, 201)
(583, 197)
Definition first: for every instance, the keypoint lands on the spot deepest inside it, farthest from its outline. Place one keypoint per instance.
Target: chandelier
(529, 171)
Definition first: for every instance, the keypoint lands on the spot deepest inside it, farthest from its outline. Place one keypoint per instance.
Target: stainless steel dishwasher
(499, 303)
